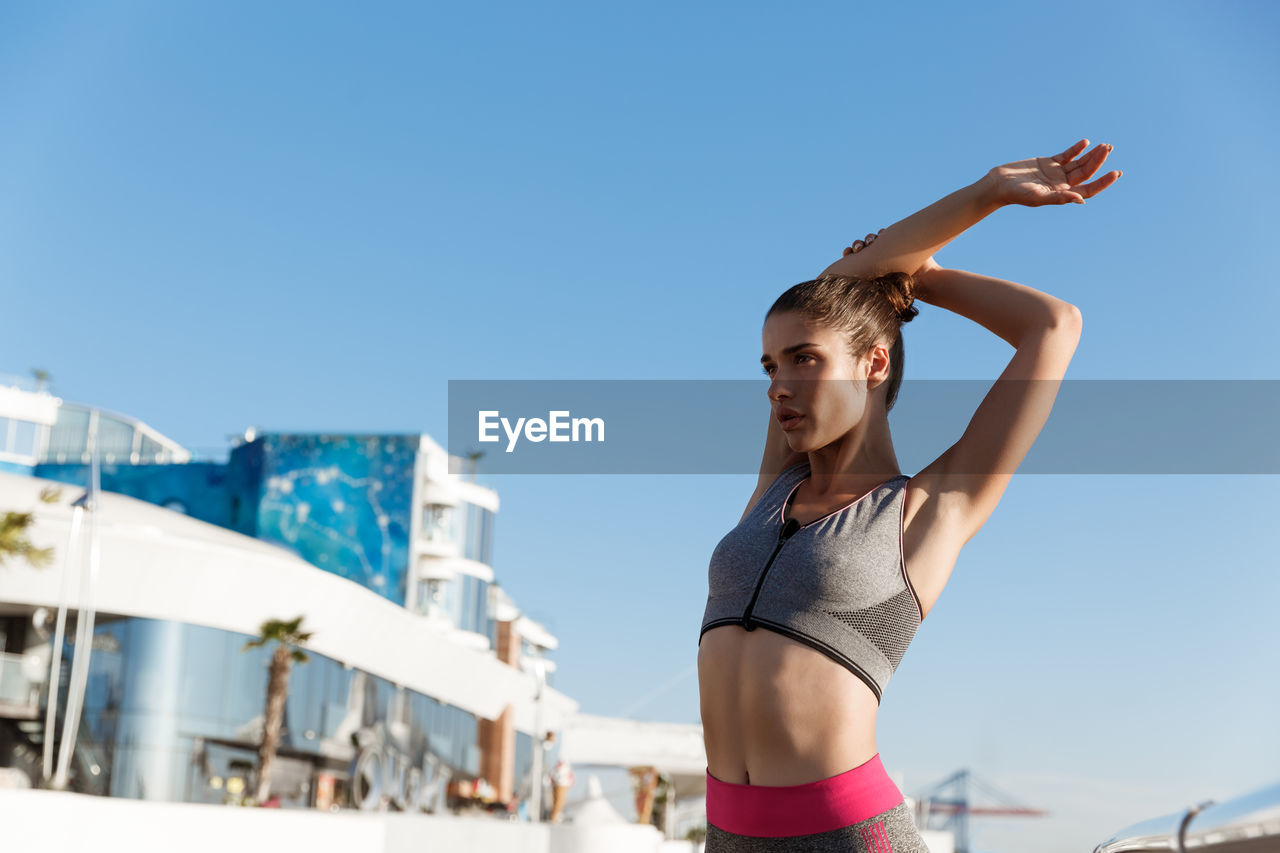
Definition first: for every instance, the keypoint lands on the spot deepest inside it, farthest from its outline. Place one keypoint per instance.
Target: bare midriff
(778, 712)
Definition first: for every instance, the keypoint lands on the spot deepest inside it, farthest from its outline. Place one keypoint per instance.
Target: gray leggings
(892, 831)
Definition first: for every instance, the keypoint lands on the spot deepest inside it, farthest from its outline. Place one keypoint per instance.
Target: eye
(799, 356)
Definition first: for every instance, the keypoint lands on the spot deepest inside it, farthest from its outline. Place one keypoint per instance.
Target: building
(422, 673)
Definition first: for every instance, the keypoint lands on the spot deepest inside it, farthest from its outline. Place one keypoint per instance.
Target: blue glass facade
(343, 503)
(476, 537)
(473, 611)
(175, 710)
(197, 489)
(243, 487)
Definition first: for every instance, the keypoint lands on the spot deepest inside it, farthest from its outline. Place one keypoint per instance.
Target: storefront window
(175, 713)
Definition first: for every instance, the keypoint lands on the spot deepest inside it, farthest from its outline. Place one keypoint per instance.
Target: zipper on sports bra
(787, 531)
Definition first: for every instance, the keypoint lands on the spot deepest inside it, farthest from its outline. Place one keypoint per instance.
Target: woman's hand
(859, 245)
(1052, 180)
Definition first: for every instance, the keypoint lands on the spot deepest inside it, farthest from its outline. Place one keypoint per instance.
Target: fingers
(1071, 152)
(859, 245)
(1084, 168)
(1090, 190)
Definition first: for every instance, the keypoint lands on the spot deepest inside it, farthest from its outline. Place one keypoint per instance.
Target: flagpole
(84, 625)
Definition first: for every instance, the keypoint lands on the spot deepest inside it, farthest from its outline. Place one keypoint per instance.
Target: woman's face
(812, 373)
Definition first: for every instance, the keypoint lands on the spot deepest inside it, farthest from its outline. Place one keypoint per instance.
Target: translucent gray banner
(705, 426)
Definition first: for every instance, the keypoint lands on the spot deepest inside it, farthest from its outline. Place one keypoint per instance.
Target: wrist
(986, 192)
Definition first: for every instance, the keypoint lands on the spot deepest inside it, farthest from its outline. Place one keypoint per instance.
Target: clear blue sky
(310, 217)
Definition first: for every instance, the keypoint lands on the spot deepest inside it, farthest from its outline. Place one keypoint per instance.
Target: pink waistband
(776, 811)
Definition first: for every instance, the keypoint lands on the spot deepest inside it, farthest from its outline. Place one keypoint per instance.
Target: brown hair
(865, 309)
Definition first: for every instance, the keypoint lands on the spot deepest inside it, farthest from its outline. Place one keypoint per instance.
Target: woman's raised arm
(906, 245)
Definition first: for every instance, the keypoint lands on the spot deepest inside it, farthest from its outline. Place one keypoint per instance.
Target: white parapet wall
(32, 820)
(605, 838)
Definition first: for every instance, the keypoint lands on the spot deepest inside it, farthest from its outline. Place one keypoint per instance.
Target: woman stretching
(816, 593)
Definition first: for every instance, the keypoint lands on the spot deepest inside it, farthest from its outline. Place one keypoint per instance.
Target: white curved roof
(159, 564)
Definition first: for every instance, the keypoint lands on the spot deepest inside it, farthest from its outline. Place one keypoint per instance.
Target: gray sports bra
(838, 584)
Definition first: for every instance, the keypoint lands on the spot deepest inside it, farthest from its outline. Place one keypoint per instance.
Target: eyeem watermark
(536, 429)
(708, 426)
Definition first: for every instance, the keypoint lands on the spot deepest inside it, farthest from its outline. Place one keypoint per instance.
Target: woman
(838, 556)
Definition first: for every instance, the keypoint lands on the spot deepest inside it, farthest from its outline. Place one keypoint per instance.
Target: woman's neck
(863, 457)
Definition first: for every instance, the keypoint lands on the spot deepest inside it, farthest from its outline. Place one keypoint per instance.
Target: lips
(789, 418)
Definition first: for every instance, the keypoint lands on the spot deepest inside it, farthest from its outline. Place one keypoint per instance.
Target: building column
(498, 737)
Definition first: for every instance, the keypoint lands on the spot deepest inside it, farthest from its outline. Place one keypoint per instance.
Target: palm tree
(286, 635)
(473, 457)
(14, 527)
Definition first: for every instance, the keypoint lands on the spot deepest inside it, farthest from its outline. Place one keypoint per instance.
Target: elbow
(1062, 325)
(1068, 317)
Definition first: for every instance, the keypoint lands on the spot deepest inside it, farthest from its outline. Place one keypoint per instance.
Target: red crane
(951, 803)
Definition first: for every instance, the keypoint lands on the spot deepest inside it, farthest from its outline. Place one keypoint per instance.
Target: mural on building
(342, 503)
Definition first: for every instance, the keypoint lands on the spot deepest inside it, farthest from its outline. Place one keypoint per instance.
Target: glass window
(476, 535)
(452, 600)
(487, 549)
(18, 436)
(482, 607)
(436, 519)
(458, 526)
(148, 449)
(523, 762)
(472, 622)
(115, 439)
(154, 686)
(438, 594)
(69, 436)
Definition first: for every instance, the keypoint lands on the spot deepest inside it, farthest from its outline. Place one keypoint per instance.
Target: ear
(878, 364)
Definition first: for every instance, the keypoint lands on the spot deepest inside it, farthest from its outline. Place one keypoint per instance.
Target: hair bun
(899, 289)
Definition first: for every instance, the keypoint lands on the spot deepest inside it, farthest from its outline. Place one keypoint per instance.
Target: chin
(799, 445)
